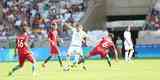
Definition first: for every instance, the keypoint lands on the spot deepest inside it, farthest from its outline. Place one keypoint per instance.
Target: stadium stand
(153, 18)
(37, 15)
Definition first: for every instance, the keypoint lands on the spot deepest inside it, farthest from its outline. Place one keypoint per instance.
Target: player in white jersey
(75, 48)
(128, 44)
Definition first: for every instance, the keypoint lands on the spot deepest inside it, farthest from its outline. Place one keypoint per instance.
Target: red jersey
(106, 42)
(52, 35)
(102, 47)
(20, 44)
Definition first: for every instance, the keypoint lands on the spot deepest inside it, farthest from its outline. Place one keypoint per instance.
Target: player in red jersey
(53, 39)
(23, 51)
(102, 48)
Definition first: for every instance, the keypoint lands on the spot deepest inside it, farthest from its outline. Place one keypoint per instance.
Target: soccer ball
(66, 67)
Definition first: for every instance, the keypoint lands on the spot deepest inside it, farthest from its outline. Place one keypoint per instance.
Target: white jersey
(76, 38)
(128, 41)
(76, 42)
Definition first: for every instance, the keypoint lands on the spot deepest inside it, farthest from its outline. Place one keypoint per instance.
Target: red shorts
(54, 50)
(23, 57)
(99, 51)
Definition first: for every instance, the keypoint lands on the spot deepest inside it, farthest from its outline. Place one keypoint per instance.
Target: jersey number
(105, 44)
(20, 43)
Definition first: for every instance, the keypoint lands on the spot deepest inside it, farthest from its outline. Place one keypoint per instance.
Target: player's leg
(105, 55)
(75, 59)
(17, 67)
(91, 53)
(60, 61)
(67, 59)
(52, 50)
(81, 57)
(108, 60)
(130, 54)
(126, 55)
(46, 60)
(14, 69)
(70, 53)
(127, 47)
(75, 56)
(83, 62)
(31, 59)
(57, 51)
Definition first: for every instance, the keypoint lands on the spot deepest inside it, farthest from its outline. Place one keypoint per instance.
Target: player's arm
(26, 44)
(69, 27)
(50, 40)
(84, 35)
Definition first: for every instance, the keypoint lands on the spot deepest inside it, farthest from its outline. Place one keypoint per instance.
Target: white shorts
(127, 46)
(75, 50)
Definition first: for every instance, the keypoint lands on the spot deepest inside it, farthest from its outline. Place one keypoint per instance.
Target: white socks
(128, 55)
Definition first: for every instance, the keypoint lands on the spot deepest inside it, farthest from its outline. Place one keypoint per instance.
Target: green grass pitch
(143, 69)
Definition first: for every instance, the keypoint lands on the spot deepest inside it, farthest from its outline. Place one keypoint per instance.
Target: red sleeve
(49, 35)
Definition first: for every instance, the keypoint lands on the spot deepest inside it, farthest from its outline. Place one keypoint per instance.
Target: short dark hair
(23, 29)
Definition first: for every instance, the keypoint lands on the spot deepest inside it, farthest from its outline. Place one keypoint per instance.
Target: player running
(103, 48)
(53, 39)
(22, 48)
(75, 48)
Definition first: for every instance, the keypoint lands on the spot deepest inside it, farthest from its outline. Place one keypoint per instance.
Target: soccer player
(75, 48)
(23, 51)
(53, 39)
(102, 48)
(128, 44)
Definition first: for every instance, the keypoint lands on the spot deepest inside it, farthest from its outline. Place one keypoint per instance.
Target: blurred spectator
(1, 11)
(38, 15)
(119, 45)
(18, 23)
(38, 22)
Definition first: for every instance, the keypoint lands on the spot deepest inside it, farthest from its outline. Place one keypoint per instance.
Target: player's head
(23, 30)
(110, 35)
(74, 24)
(54, 26)
(79, 27)
(67, 23)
